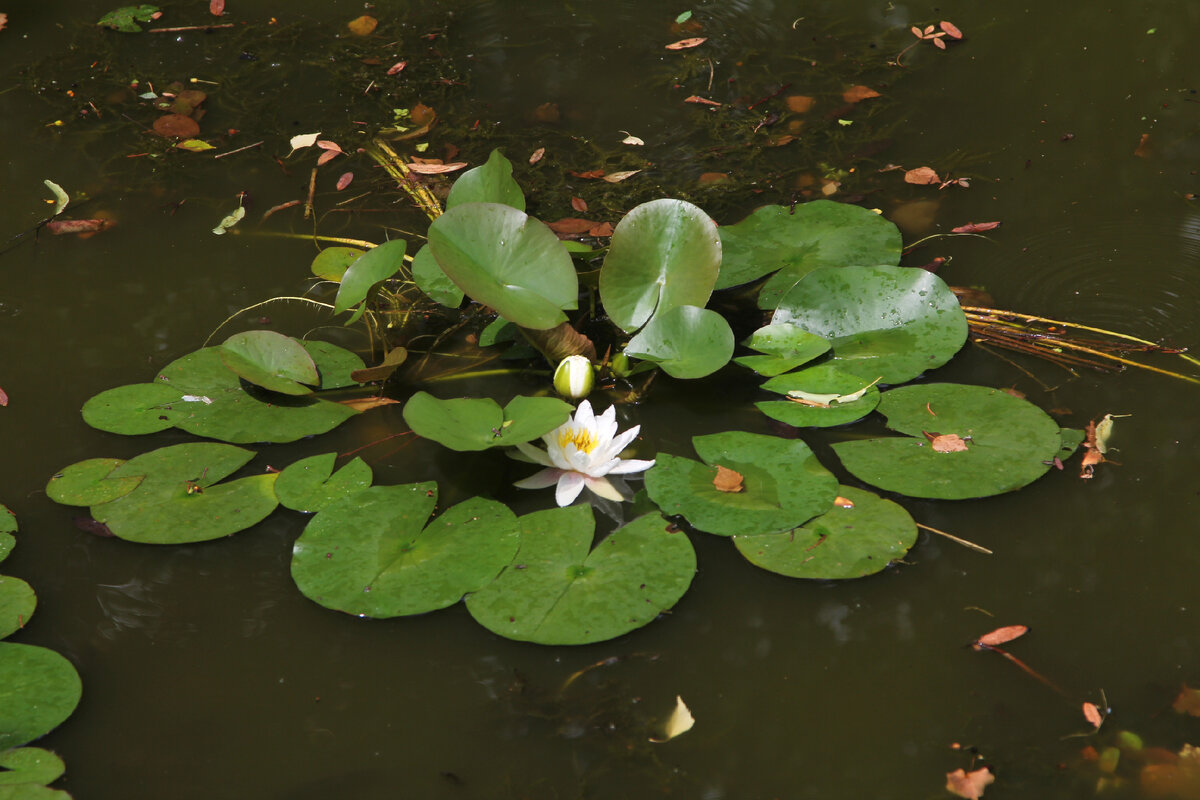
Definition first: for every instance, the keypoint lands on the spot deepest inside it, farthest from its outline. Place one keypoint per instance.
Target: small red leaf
(344, 181)
(3, 397)
(397, 67)
(1091, 713)
(916, 32)
(686, 44)
(975, 227)
(537, 155)
(216, 7)
(969, 785)
(951, 29)
(571, 225)
(327, 156)
(698, 99)
(579, 204)
(939, 44)
(921, 176)
(1002, 635)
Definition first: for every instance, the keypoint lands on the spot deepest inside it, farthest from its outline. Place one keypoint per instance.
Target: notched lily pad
(311, 484)
(38, 690)
(17, 602)
(470, 424)
(87, 483)
(783, 484)
(135, 409)
(372, 554)
(271, 360)
(786, 347)
(30, 767)
(1009, 443)
(844, 542)
(686, 341)
(816, 404)
(559, 590)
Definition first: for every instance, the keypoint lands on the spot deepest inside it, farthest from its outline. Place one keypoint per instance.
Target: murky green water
(206, 674)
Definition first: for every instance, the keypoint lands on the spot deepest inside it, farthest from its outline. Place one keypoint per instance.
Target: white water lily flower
(581, 452)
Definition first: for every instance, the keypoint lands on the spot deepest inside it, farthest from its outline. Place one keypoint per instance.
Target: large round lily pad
(17, 603)
(270, 360)
(822, 396)
(891, 323)
(135, 408)
(1009, 443)
(686, 341)
(558, 590)
(311, 484)
(505, 259)
(663, 254)
(179, 499)
(795, 241)
(784, 346)
(783, 484)
(478, 423)
(27, 770)
(371, 554)
(844, 542)
(38, 690)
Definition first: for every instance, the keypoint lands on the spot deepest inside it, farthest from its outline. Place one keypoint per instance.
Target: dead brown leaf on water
(728, 480)
(858, 93)
(537, 155)
(1091, 712)
(589, 175)
(713, 177)
(843, 502)
(975, 227)
(61, 227)
(435, 169)
(176, 126)
(579, 204)
(921, 176)
(396, 68)
(946, 442)
(969, 785)
(617, 177)
(687, 44)
(1001, 636)
(363, 26)
(702, 100)
(1144, 148)
(603, 229)
(3, 21)
(367, 403)
(800, 103)
(3, 394)
(344, 180)
(571, 225)
(216, 7)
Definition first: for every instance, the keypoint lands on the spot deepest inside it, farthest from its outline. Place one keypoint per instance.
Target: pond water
(206, 674)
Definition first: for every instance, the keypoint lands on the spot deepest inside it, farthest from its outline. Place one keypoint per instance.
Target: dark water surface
(207, 675)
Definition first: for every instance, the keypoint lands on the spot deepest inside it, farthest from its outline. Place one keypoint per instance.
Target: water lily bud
(574, 377)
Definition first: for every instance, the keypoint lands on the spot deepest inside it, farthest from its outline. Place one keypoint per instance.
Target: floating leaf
(61, 198)
(820, 233)
(680, 722)
(892, 323)
(87, 483)
(975, 227)
(368, 271)
(728, 480)
(469, 424)
(557, 592)
(344, 180)
(701, 100)
(176, 126)
(617, 177)
(331, 263)
(946, 442)
(921, 176)
(271, 360)
(435, 169)
(367, 554)
(847, 541)
(363, 26)
(505, 259)
(1187, 702)
(126, 18)
(490, 183)
(664, 254)
(856, 94)
(38, 690)
(1012, 443)
(969, 785)
(950, 29)
(28, 767)
(310, 484)
(825, 381)
(687, 44)
(179, 500)
(786, 347)
(784, 484)
(1002, 635)
(302, 140)
(229, 221)
(17, 603)
(391, 362)
(135, 409)
(1091, 712)
(685, 341)
(432, 280)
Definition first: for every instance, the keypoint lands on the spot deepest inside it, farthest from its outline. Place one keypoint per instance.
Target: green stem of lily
(485, 373)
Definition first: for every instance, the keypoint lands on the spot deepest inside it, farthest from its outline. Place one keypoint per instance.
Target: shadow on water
(207, 674)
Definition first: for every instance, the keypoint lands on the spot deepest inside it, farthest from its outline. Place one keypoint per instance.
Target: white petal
(584, 418)
(629, 465)
(570, 484)
(624, 440)
(540, 480)
(606, 424)
(535, 454)
(601, 487)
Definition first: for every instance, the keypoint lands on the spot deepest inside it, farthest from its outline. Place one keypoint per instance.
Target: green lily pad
(87, 483)
(783, 484)
(841, 543)
(819, 380)
(235, 415)
(1010, 443)
(310, 484)
(502, 258)
(331, 263)
(17, 602)
(892, 323)
(795, 241)
(30, 766)
(368, 555)
(126, 18)
(270, 360)
(663, 254)
(38, 690)
(336, 365)
(490, 183)
(428, 275)
(786, 347)
(686, 341)
(135, 409)
(479, 423)
(8, 526)
(179, 499)
(31, 791)
(368, 271)
(559, 590)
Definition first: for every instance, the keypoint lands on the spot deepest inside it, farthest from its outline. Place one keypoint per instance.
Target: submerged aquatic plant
(581, 452)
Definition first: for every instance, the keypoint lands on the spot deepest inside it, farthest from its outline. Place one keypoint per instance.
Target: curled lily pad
(479, 423)
(270, 360)
(87, 483)
(686, 341)
(1009, 443)
(311, 484)
(492, 182)
(559, 590)
(17, 602)
(179, 499)
(817, 404)
(850, 540)
(38, 690)
(30, 768)
(368, 271)
(336, 365)
(786, 347)
(372, 554)
(891, 323)
(664, 254)
(783, 484)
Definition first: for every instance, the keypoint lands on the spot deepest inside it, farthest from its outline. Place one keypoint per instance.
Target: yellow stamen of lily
(584, 440)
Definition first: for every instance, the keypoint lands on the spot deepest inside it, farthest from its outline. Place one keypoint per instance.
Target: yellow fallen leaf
(685, 44)
(679, 723)
(362, 26)
(367, 403)
(617, 177)
(728, 480)
(435, 169)
(843, 502)
(1104, 430)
